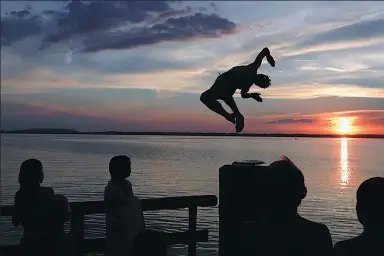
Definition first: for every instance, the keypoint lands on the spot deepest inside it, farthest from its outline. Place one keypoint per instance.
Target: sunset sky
(141, 66)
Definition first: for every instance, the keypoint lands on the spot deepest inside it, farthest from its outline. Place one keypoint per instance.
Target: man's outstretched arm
(259, 59)
(246, 95)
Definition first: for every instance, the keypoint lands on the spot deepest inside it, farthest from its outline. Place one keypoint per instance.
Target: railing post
(192, 216)
(77, 232)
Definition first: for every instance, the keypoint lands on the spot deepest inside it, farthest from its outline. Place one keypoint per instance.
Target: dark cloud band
(113, 24)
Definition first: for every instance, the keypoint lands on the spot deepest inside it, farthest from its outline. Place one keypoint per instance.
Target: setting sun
(344, 125)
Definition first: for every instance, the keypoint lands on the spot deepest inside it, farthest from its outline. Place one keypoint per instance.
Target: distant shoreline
(277, 135)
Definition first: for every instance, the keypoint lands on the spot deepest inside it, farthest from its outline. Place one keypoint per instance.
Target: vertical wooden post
(240, 187)
(77, 232)
(192, 216)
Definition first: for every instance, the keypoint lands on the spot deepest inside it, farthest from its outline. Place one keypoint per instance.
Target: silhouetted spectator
(370, 212)
(282, 231)
(124, 217)
(62, 213)
(150, 243)
(33, 209)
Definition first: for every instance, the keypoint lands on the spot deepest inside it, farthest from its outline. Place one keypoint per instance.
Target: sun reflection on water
(344, 169)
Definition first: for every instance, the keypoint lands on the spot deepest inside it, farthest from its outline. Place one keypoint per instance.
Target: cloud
(316, 90)
(361, 33)
(370, 82)
(183, 28)
(333, 46)
(379, 121)
(19, 25)
(366, 29)
(100, 25)
(26, 115)
(82, 18)
(291, 121)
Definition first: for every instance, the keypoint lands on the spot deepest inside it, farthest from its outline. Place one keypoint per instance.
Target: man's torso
(239, 77)
(36, 212)
(360, 245)
(299, 238)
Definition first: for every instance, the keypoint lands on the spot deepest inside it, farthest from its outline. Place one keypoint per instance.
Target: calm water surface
(77, 166)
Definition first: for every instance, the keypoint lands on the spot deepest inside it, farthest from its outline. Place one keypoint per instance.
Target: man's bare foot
(239, 123)
(231, 118)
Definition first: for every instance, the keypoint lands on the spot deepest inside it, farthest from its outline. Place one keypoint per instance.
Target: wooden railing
(97, 245)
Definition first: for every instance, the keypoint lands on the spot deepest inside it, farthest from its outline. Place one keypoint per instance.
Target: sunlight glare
(344, 168)
(344, 125)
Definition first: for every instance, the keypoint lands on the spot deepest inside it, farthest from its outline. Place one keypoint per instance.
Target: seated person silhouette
(150, 243)
(239, 77)
(124, 217)
(33, 210)
(64, 244)
(282, 231)
(370, 212)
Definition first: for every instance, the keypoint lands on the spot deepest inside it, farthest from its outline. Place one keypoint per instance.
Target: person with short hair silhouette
(150, 243)
(238, 77)
(64, 244)
(124, 217)
(33, 210)
(370, 212)
(282, 231)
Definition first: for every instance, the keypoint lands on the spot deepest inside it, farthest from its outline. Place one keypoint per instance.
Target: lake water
(77, 166)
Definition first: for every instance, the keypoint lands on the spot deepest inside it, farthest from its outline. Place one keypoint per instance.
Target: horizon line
(72, 131)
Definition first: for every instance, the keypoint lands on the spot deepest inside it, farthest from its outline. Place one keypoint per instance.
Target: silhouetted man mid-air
(239, 77)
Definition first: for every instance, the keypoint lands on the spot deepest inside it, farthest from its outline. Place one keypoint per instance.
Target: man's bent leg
(209, 99)
(239, 117)
(232, 104)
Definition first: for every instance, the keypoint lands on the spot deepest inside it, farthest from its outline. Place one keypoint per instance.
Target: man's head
(370, 202)
(286, 187)
(120, 167)
(31, 173)
(263, 81)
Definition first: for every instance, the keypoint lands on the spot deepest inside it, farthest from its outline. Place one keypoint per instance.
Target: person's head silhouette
(370, 202)
(31, 173)
(286, 187)
(120, 167)
(263, 81)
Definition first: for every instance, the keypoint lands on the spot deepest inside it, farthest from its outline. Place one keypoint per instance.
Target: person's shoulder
(238, 69)
(314, 226)
(246, 68)
(111, 189)
(47, 192)
(349, 245)
(128, 184)
(110, 185)
(135, 200)
(18, 193)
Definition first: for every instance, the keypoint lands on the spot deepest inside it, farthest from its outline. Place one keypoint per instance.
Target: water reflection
(344, 169)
